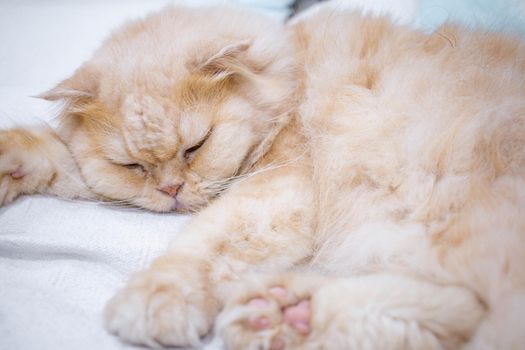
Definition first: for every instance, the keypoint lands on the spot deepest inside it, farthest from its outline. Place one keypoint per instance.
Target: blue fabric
(278, 8)
(493, 15)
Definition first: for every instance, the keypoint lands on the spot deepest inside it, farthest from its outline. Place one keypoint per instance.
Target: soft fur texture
(360, 185)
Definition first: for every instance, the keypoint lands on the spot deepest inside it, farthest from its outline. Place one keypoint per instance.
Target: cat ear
(226, 62)
(82, 84)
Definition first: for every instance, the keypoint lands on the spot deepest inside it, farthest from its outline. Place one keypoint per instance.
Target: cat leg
(263, 223)
(369, 312)
(36, 161)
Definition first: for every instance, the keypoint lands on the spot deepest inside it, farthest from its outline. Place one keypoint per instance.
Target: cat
(356, 184)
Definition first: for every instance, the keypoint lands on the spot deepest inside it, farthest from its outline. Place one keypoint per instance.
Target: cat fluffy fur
(372, 169)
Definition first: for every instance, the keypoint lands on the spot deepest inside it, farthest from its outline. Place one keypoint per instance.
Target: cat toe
(18, 173)
(258, 302)
(259, 323)
(298, 316)
(277, 343)
(23, 169)
(278, 291)
(152, 311)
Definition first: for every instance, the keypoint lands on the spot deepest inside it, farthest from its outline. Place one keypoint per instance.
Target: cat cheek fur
(123, 186)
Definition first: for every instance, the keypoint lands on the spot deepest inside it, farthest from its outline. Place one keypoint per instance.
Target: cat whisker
(216, 187)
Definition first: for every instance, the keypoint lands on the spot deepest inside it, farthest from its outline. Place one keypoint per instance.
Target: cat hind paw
(274, 315)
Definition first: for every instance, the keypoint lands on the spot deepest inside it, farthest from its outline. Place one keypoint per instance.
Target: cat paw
(24, 169)
(276, 315)
(160, 309)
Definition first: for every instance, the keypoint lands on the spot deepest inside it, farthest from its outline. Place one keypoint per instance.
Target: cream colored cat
(359, 185)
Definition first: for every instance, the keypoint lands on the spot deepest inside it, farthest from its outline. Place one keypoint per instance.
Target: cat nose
(171, 190)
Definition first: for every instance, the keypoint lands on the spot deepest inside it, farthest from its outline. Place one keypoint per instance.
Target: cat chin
(178, 206)
(174, 206)
(159, 205)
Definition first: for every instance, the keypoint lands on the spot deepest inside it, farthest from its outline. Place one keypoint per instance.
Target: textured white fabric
(60, 261)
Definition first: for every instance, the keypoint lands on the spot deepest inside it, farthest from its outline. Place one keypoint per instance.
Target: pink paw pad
(18, 173)
(259, 323)
(278, 291)
(258, 302)
(277, 344)
(298, 317)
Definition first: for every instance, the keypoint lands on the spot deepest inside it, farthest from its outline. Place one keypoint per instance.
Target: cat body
(359, 185)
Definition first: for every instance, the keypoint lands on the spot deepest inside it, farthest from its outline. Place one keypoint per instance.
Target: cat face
(167, 123)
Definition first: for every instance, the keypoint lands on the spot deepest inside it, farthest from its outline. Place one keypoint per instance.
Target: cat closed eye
(188, 153)
(133, 166)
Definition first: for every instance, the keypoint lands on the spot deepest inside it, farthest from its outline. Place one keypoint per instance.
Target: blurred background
(44, 41)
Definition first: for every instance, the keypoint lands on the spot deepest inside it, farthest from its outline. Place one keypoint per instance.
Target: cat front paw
(161, 308)
(271, 314)
(24, 167)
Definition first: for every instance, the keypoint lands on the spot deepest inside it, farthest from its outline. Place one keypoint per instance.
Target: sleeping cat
(359, 185)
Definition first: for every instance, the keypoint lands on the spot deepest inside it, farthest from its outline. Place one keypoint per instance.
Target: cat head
(173, 107)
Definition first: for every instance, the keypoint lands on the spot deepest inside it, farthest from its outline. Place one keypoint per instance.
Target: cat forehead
(149, 128)
(150, 115)
(155, 130)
